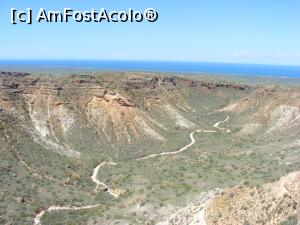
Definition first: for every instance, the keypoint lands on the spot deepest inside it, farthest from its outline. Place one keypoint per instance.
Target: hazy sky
(250, 31)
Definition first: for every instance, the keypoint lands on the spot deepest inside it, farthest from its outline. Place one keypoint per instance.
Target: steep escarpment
(52, 120)
(53, 110)
(268, 111)
(118, 118)
(121, 110)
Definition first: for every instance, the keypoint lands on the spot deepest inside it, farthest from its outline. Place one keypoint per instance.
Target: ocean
(278, 71)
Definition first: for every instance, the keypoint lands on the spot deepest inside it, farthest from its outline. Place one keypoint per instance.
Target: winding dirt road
(38, 217)
(180, 150)
(98, 183)
(217, 125)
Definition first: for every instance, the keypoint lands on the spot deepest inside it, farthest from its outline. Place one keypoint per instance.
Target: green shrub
(1, 125)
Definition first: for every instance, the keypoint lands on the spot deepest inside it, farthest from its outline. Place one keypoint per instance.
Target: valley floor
(115, 194)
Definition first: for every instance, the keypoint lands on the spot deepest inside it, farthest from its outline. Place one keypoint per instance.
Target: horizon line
(161, 61)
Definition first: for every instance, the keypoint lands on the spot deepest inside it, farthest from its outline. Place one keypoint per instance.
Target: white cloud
(240, 53)
(281, 53)
(243, 54)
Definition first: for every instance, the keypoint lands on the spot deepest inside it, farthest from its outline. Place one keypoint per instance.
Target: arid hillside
(136, 148)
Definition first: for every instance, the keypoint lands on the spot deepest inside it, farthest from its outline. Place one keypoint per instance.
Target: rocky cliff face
(56, 107)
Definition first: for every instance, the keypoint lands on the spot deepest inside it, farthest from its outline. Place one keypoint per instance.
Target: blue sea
(277, 71)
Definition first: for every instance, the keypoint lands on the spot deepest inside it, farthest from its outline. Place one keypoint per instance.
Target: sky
(236, 31)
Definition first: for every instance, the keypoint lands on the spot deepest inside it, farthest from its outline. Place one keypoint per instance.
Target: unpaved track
(98, 183)
(180, 150)
(38, 217)
(217, 125)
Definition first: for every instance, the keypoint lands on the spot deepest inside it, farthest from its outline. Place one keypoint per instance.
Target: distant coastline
(278, 71)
